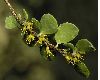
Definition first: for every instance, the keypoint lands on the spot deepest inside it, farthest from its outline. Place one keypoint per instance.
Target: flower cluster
(73, 58)
(28, 33)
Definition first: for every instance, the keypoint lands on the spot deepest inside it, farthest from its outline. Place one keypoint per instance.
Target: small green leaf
(25, 14)
(48, 24)
(36, 23)
(84, 45)
(70, 45)
(66, 32)
(10, 22)
(82, 69)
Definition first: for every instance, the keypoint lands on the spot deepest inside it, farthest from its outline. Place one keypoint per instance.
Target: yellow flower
(27, 27)
(41, 39)
(30, 38)
(73, 58)
(49, 53)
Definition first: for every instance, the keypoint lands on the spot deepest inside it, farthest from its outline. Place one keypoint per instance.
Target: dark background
(20, 62)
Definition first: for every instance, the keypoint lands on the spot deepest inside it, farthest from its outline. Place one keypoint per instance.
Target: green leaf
(10, 22)
(82, 69)
(36, 23)
(66, 32)
(84, 45)
(70, 45)
(48, 24)
(25, 14)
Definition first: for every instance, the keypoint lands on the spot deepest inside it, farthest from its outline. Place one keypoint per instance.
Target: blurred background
(20, 62)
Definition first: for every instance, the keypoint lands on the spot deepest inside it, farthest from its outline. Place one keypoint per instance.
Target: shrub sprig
(39, 33)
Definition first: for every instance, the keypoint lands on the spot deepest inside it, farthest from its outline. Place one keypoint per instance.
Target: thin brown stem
(13, 11)
(54, 48)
